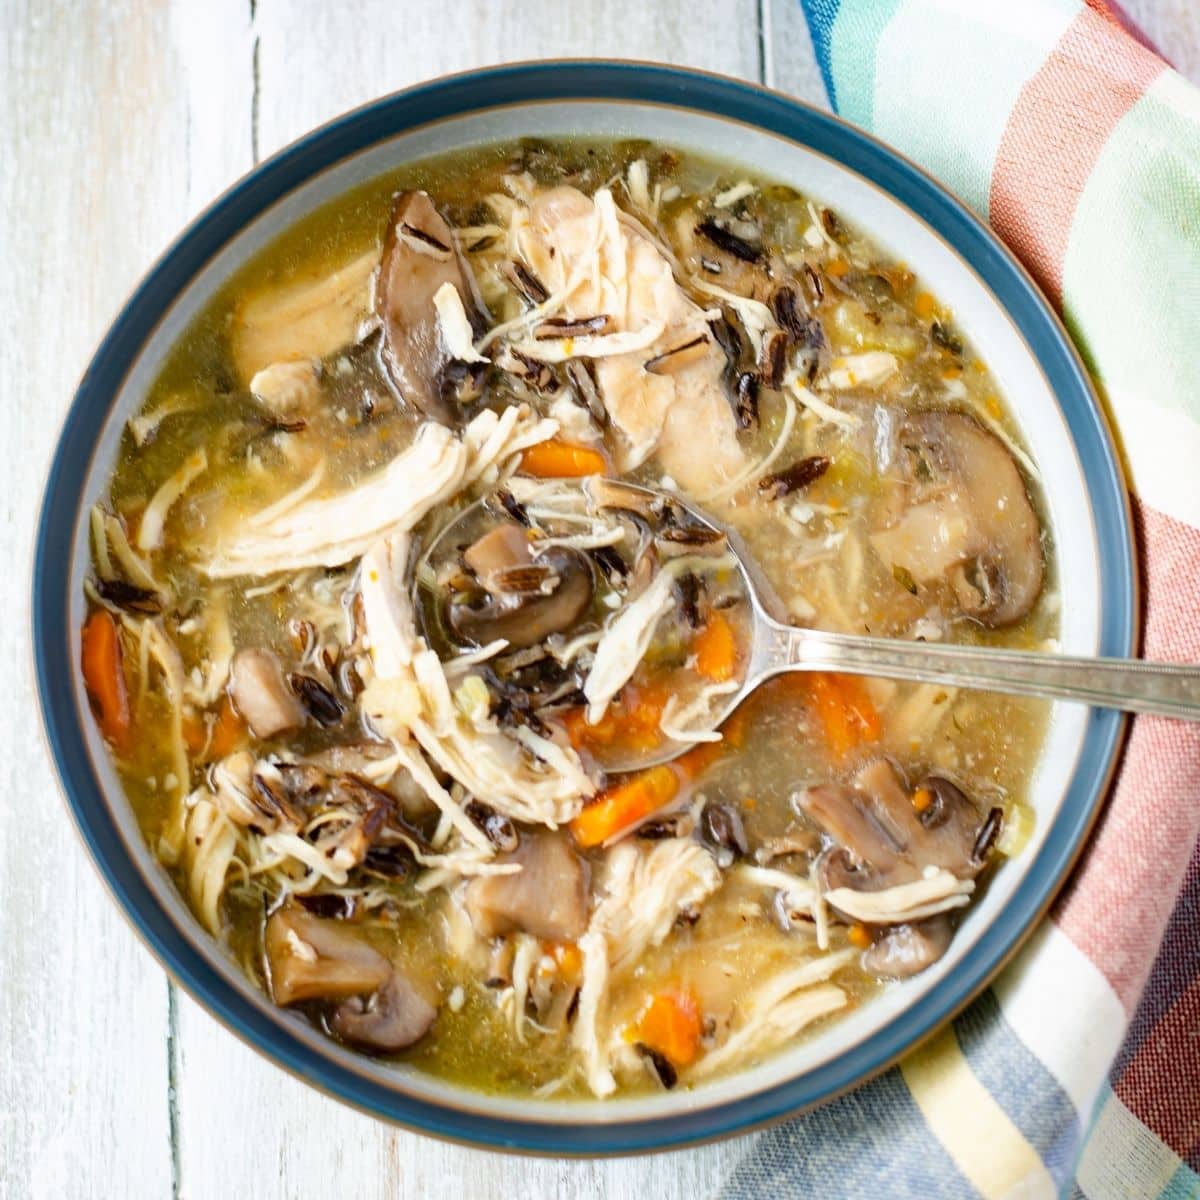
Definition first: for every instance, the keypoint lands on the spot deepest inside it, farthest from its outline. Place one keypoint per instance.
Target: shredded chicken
(584, 253)
(642, 891)
(331, 530)
(209, 848)
(624, 643)
(409, 697)
(302, 320)
(778, 1010)
(456, 329)
(938, 891)
(867, 370)
(150, 531)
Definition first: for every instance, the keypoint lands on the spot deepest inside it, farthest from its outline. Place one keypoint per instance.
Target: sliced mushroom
(547, 897)
(500, 549)
(524, 598)
(420, 255)
(311, 958)
(960, 512)
(883, 836)
(261, 695)
(906, 950)
(253, 794)
(364, 809)
(388, 1020)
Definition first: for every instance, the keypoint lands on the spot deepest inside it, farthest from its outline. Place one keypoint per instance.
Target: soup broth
(379, 762)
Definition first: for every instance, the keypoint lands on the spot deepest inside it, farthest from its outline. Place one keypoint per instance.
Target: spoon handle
(1132, 685)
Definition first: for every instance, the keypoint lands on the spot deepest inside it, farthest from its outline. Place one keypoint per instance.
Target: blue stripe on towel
(1020, 1084)
(821, 15)
(861, 1145)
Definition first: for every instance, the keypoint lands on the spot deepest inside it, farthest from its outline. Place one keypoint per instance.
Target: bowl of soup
(350, 629)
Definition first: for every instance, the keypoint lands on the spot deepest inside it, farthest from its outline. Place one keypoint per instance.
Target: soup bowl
(909, 215)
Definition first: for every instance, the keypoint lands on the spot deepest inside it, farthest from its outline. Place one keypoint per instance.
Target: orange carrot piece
(716, 649)
(562, 460)
(837, 268)
(843, 706)
(229, 731)
(194, 734)
(626, 804)
(567, 955)
(859, 936)
(924, 305)
(671, 1025)
(632, 723)
(104, 677)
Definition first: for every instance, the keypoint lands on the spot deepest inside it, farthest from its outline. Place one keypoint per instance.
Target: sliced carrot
(195, 734)
(567, 955)
(859, 936)
(923, 305)
(562, 460)
(848, 718)
(922, 798)
(716, 649)
(632, 723)
(229, 732)
(104, 676)
(671, 1025)
(837, 268)
(619, 807)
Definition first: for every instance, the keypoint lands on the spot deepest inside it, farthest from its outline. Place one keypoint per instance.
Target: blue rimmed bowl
(994, 302)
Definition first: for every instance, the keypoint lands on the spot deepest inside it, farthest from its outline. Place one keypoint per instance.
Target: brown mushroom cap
(525, 597)
(881, 840)
(420, 254)
(311, 958)
(906, 950)
(966, 517)
(547, 897)
(395, 1016)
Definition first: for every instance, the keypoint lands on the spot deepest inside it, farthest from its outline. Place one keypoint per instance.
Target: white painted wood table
(118, 122)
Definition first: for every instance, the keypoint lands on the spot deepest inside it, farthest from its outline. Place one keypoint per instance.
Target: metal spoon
(1131, 685)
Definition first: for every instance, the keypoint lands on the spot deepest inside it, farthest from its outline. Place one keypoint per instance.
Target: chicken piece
(546, 898)
(525, 776)
(261, 695)
(301, 321)
(331, 530)
(642, 891)
(580, 246)
(287, 389)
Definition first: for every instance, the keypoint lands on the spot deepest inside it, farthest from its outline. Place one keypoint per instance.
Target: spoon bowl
(1130, 685)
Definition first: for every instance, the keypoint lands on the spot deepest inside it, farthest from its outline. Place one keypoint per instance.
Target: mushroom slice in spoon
(523, 597)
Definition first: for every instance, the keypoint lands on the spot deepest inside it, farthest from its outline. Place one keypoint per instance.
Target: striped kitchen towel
(1078, 1073)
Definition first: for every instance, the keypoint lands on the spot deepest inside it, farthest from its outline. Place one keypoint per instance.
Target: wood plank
(93, 186)
(316, 60)
(244, 1126)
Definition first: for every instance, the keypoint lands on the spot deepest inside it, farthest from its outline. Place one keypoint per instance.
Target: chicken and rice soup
(379, 763)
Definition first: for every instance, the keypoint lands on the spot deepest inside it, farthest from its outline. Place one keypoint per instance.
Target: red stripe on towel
(1171, 1052)
(1118, 902)
(1061, 121)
